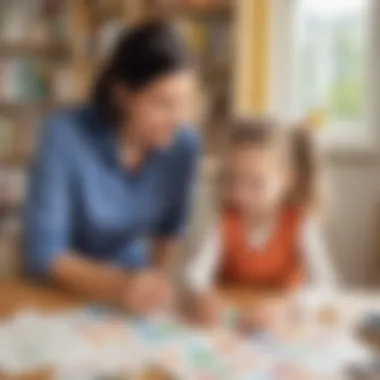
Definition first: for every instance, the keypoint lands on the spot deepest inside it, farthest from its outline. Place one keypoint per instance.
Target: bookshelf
(36, 57)
(49, 53)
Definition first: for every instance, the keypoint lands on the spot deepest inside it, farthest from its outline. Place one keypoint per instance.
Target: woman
(113, 176)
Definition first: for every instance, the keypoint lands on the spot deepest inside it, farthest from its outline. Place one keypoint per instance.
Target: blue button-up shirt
(81, 199)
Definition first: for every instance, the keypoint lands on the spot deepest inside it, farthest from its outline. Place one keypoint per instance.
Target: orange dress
(277, 265)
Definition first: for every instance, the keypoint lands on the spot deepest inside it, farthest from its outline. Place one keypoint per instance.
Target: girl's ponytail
(307, 166)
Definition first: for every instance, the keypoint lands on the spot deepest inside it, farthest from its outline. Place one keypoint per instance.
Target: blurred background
(311, 59)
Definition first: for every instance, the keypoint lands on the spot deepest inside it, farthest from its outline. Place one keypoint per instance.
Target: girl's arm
(200, 270)
(315, 254)
(201, 304)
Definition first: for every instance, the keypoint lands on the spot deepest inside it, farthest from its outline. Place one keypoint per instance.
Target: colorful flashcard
(105, 342)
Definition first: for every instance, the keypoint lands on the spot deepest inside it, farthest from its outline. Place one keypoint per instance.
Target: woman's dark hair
(141, 55)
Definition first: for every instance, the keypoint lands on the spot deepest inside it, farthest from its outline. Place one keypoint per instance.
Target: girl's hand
(205, 309)
(267, 316)
(257, 318)
(147, 292)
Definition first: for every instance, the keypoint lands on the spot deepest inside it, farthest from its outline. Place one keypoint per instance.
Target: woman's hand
(147, 292)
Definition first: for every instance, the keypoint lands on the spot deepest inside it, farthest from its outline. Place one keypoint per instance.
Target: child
(266, 234)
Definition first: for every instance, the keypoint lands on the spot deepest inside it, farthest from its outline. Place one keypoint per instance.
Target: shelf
(15, 162)
(55, 50)
(19, 108)
(195, 13)
(224, 10)
(8, 209)
(206, 15)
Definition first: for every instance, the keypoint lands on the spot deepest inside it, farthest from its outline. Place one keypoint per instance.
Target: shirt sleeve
(48, 203)
(185, 168)
(200, 270)
(316, 256)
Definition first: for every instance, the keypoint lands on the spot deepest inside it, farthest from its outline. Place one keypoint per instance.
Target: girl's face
(156, 111)
(258, 179)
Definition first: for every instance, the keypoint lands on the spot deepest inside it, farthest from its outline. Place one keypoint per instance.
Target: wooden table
(17, 295)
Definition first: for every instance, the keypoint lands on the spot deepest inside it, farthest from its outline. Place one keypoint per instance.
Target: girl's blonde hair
(298, 142)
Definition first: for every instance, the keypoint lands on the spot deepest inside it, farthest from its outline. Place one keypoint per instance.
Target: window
(329, 53)
(331, 62)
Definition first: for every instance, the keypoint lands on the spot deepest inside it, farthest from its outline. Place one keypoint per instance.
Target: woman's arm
(93, 281)
(141, 293)
(167, 237)
(49, 204)
(49, 220)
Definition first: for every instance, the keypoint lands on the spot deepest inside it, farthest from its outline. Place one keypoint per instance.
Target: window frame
(366, 138)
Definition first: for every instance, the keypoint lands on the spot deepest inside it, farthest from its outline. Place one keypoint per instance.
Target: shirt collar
(107, 139)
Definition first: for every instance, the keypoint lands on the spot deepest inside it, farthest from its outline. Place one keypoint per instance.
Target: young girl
(266, 234)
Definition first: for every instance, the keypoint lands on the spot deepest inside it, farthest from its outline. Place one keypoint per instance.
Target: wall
(354, 221)
(355, 184)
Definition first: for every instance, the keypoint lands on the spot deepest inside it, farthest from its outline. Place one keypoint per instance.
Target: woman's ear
(121, 96)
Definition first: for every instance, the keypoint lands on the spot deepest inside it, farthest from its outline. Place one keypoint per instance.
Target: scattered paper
(85, 343)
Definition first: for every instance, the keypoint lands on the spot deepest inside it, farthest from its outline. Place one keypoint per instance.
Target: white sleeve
(314, 250)
(200, 270)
